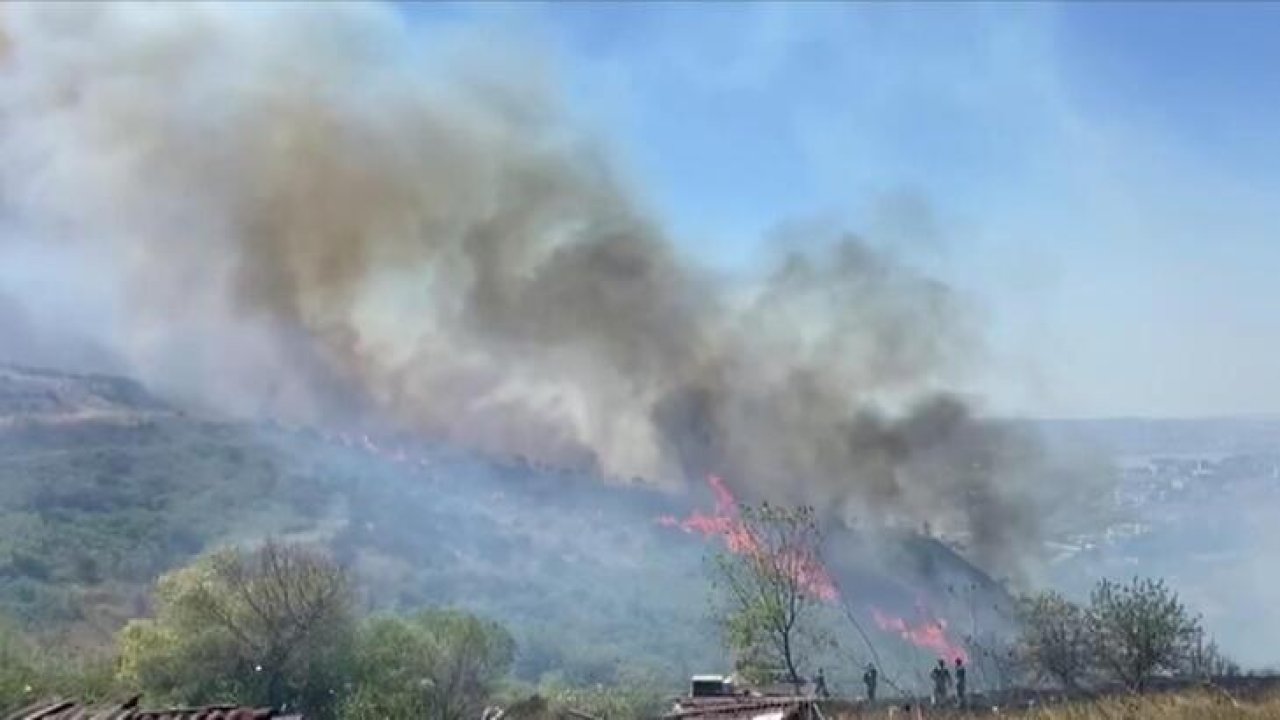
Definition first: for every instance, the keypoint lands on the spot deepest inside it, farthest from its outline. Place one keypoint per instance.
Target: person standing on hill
(869, 679)
(941, 682)
(960, 682)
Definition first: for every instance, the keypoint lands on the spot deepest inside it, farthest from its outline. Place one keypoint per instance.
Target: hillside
(103, 487)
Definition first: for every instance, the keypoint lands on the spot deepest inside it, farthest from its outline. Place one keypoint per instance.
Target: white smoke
(303, 213)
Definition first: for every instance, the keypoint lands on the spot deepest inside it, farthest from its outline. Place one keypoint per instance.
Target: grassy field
(1199, 705)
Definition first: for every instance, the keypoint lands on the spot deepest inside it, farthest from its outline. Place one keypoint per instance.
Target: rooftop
(69, 709)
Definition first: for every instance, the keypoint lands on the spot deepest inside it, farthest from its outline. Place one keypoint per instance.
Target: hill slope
(102, 487)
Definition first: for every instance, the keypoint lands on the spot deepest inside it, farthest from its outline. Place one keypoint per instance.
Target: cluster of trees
(91, 514)
(277, 626)
(1128, 633)
(773, 602)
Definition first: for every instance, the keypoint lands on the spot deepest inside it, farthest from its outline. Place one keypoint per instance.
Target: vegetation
(270, 627)
(275, 626)
(768, 602)
(440, 664)
(559, 572)
(91, 513)
(1196, 705)
(1138, 629)
(1055, 639)
(1128, 634)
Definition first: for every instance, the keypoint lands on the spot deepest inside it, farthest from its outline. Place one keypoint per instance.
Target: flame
(726, 524)
(929, 634)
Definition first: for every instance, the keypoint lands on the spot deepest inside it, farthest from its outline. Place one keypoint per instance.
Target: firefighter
(941, 682)
(869, 679)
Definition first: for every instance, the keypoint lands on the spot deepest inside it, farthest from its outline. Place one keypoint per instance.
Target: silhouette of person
(869, 679)
(941, 682)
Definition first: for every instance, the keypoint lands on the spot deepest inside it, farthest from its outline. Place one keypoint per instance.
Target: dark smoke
(308, 216)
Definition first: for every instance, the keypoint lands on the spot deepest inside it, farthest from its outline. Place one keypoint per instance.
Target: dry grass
(1191, 706)
(1200, 705)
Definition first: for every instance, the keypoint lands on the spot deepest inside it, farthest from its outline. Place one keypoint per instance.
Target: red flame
(725, 523)
(929, 634)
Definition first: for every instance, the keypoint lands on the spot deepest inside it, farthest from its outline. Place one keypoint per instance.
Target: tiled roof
(72, 710)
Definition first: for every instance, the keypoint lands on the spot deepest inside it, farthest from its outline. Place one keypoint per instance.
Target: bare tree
(1205, 659)
(1055, 639)
(772, 582)
(1139, 629)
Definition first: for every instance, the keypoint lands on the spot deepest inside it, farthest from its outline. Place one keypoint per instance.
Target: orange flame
(928, 634)
(725, 523)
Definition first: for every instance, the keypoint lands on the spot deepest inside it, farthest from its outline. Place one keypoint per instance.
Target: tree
(1055, 638)
(1205, 659)
(439, 664)
(771, 583)
(271, 626)
(1139, 629)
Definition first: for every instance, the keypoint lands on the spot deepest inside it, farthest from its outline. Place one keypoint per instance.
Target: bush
(271, 627)
(442, 664)
(1138, 629)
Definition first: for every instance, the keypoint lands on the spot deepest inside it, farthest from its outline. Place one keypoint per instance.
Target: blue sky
(1099, 178)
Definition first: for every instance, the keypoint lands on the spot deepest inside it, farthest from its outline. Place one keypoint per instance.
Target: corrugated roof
(73, 710)
(740, 708)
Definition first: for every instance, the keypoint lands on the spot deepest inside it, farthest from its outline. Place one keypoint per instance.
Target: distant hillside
(103, 487)
(33, 394)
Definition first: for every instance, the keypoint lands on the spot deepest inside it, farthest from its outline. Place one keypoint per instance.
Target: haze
(826, 251)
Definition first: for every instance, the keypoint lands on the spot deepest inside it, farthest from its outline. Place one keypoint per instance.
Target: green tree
(438, 664)
(1139, 629)
(770, 585)
(1055, 639)
(271, 626)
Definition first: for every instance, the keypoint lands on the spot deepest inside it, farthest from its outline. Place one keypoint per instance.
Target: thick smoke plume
(311, 215)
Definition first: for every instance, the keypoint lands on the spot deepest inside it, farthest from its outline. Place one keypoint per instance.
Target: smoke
(26, 342)
(308, 213)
